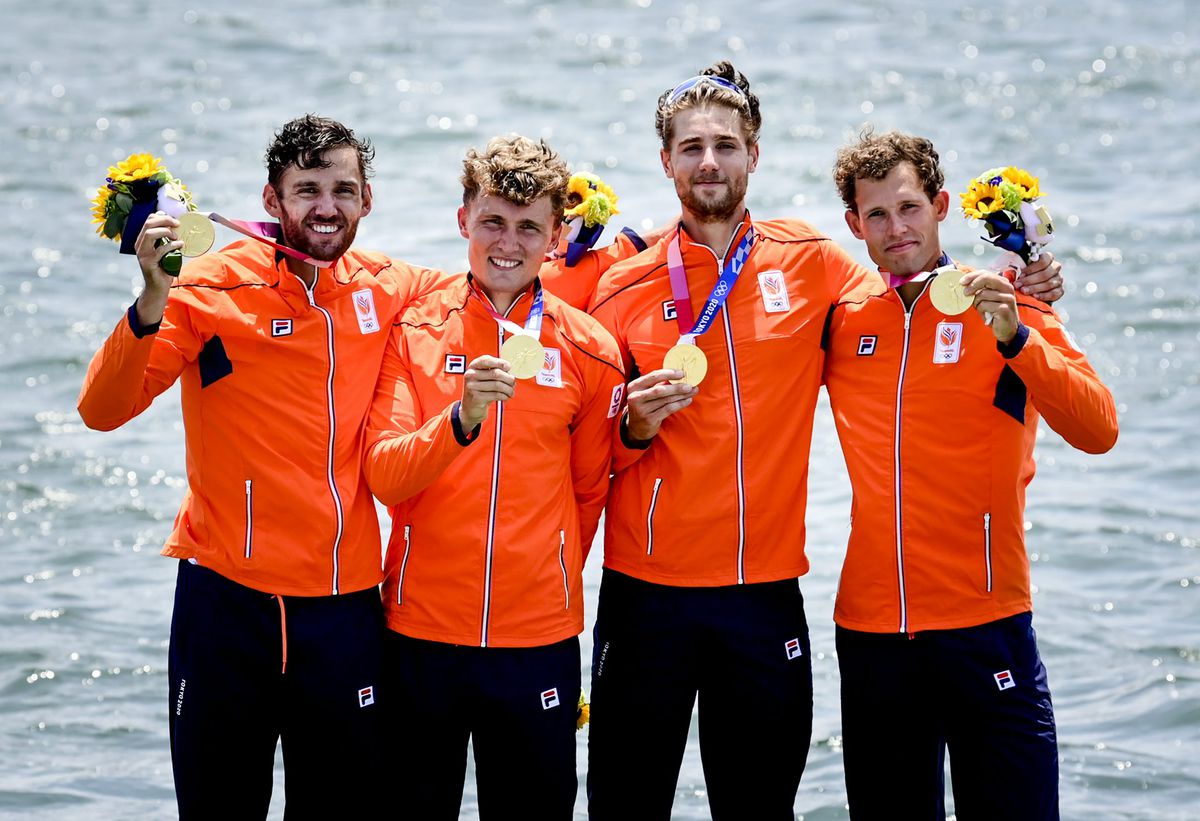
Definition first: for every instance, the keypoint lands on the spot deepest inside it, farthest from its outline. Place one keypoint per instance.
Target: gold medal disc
(947, 295)
(524, 354)
(689, 359)
(196, 232)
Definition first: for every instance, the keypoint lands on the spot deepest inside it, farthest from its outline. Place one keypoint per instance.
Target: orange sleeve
(845, 277)
(1062, 384)
(592, 430)
(404, 455)
(129, 371)
(577, 285)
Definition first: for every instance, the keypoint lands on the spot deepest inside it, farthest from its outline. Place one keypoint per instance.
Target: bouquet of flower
(1006, 200)
(590, 205)
(135, 188)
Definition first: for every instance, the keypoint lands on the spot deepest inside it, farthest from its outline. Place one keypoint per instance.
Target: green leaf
(113, 224)
(124, 202)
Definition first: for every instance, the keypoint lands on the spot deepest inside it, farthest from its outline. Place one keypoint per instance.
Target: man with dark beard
(277, 624)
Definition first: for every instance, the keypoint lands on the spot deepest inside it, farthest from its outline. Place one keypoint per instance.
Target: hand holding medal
(137, 187)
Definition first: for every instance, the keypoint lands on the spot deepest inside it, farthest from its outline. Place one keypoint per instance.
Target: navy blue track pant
(232, 699)
(743, 651)
(518, 707)
(979, 693)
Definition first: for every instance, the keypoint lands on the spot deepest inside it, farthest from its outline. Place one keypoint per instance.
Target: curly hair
(304, 141)
(874, 155)
(517, 169)
(709, 93)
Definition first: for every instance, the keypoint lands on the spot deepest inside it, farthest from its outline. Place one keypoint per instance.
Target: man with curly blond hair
(490, 441)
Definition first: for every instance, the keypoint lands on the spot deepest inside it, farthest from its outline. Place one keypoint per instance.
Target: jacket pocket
(987, 550)
(249, 546)
(403, 565)
(650, 517)
(562, 563)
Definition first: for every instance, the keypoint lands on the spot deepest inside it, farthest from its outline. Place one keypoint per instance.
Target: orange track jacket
(718, 497)
(937, 426)
(490, 531)
(277, 383)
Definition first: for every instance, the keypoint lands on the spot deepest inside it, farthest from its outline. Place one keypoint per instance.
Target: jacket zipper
(741, 482)
(650, 518)
(403, 565)
(737, 418)
(329, 477)
(562, 562)
(491, 526)
(987, 547)
(249, 517)
(908, 312)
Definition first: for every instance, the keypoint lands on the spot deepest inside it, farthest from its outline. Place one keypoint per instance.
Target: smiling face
(710, 161)
(898, 221)
(319, 208)
(507, 243)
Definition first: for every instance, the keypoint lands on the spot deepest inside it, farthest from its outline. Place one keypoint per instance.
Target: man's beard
(295, 236)
(719, 209)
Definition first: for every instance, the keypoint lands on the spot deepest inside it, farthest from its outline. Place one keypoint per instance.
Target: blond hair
(709, 93)
(517, 169)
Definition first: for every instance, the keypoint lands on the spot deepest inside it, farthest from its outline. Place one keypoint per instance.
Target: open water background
(1098, 98)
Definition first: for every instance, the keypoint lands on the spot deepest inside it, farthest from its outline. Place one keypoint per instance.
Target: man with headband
(937, 409)
(277, 623)
(490, 439)
(704, 533)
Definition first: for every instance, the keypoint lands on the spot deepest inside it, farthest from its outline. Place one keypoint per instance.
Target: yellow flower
(980, 199)
(584, 714)
(135, 167)
(1025, 182)
(100, 208)
(589, 197)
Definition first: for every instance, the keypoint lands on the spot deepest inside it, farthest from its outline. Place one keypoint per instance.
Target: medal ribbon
(267, 233)
(720, 291)
(920, 276)
(533, 322)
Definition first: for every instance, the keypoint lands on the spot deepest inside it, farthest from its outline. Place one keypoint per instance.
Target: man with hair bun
(490, 440)
(704, 534)
(277, 627)
(937, 415)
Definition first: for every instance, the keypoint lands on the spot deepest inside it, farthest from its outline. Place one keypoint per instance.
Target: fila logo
(366, 697)
(947, 343)
(550, 698)
(1004, 680)
(774, 292)
(456, 363)
(614, 405)
(364, 310)
(866, 345)
(551, 373)
(668, 309)
(281, 327)
(793, 649)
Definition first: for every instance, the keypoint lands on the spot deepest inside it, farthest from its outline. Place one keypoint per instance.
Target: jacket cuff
(1013, 346)
(627, 440)
(463, 437)
(635, 238)
(139, 330)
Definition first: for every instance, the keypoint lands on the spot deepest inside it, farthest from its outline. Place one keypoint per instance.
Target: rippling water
(1098, 98)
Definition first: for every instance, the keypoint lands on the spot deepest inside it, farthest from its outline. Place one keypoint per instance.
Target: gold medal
(196, 232)
(689, 359)
(946, 294)
(524, 354)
